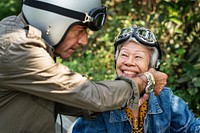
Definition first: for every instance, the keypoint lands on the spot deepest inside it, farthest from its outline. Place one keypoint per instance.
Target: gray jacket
(31, 82)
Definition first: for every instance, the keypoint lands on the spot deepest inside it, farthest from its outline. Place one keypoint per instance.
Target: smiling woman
(135, 54)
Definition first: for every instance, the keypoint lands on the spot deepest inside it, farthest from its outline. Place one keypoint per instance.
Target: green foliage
(176, 24)
(9, 7)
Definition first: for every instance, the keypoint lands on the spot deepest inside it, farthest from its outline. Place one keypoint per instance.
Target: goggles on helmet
(142, 35)
(94, 20)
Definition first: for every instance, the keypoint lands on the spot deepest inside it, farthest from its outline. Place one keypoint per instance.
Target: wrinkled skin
(77, 36)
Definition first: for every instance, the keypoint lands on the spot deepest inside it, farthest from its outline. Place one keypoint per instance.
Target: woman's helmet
(54, 17)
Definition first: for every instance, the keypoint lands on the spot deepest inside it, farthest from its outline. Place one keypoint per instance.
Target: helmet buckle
(87, 18)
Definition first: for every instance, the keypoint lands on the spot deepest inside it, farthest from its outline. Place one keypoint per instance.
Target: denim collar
(120, 115)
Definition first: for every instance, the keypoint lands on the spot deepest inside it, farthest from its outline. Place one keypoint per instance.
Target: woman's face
(133, 59)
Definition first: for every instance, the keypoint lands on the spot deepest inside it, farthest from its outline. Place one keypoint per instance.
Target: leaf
(184, 79)
(196, 82)
(180, 51)
(176, 20)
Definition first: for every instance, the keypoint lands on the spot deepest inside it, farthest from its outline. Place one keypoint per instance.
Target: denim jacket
(167, 113)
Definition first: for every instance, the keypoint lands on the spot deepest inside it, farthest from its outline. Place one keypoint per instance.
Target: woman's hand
(142, 99)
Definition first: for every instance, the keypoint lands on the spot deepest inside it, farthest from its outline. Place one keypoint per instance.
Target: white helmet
(54, 17)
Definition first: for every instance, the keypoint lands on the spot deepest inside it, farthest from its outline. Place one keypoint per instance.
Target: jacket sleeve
(183, 120)
(29, 68)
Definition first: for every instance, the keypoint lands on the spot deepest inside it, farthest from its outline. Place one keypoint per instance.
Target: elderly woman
(136, 51)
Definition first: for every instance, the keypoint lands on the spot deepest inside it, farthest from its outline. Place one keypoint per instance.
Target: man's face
(76, 36)
(133, 59)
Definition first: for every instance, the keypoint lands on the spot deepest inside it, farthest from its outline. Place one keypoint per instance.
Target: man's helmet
(54, 17)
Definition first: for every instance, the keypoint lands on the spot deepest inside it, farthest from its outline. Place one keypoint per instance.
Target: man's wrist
(134, 99)
(144, 78)
(143, 82)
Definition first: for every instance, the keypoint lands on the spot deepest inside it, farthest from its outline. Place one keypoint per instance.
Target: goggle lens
(124, 33)
(146, 35)
(99, 20)
(97, 17)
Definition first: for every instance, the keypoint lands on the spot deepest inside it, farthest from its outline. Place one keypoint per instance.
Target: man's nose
(83, 39)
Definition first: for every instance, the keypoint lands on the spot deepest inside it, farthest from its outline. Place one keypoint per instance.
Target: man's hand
(160, 80)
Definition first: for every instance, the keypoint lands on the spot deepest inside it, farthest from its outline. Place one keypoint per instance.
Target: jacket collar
(153, 108)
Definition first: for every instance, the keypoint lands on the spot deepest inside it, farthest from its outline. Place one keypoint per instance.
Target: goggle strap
(88, 18)
(56, 9)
